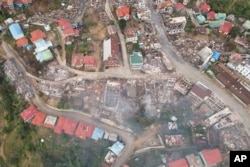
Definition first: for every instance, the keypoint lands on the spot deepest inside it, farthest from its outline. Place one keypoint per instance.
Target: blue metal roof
(16, 31)
(97, 134)
(215, 56)
(117, 148)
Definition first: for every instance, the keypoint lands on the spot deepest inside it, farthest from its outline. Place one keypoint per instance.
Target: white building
(107, 49)
(177, 25)
(244, 70)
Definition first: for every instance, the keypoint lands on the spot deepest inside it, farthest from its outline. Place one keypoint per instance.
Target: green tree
(122, 24)
(235, 31)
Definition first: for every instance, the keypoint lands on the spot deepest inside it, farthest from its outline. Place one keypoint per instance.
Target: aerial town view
(124, 83)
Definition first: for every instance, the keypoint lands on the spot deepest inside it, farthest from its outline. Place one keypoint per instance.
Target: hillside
(241, 8)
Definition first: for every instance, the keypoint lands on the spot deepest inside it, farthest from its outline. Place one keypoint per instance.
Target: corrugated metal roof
(16, 31)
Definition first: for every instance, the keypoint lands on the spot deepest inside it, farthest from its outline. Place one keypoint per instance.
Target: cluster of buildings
(73, 127)
(78, 60)
(68, 31)
(11, 4)
(209, 157)
(42, 51)
(16, 77)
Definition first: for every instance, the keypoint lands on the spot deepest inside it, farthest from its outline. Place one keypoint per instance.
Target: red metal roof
(37, 35)
(10, 2)
(226, 27)
(179, 6)
(201, 91)
(69, 126)
(122, 11)
(18, 2)
(77, 60)
(205, 8)
(211, 15)
(63, 23)
(22, 42)
(39, 118)
(68, 31)
(29, 112)
(212, 157)
(89, 61)
(83, 130)
(59, 125)
(178, 163)
(27, 1)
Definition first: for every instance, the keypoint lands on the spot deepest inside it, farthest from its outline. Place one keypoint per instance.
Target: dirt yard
(97, 32)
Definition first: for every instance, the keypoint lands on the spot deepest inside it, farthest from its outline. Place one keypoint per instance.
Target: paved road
(185, 69)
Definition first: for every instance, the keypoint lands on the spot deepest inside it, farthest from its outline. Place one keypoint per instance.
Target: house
(246, 25)
(235, 60)
(220, 16)
(37, 35)
(136, 61)
(198, 94)
(123, 12)
(22, 42)
(27, 2)
(178, 163)
(69, 126)
(215, 56)
(18, 3)
(84, 130)
(109, 159)
(68, 31)
(211, 157)
(43, 56)
(69, 40)
(179, 7)
(50, 121)
(97, 134)
(29, 113)
(226, 27)
(16, 31)
(77, 60)
(131, 34)
(205, 8)
(111, 51)
(165, 4)
(117, 148)
(59, 125)
(194, 161)
(215, 24)
(231, 18)
(201, 19)
(177, 25)
(242, 41)
(89, 62)
(38, 119)
(42, 45)
(211, 15)
(10, 4)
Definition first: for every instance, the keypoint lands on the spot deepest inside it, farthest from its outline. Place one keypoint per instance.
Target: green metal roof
(136, 58)
(246, 25)
(201, 19)
(220, 16)
(215, 24)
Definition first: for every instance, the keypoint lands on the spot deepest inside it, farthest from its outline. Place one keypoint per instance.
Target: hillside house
(123, 12)
(131, 35)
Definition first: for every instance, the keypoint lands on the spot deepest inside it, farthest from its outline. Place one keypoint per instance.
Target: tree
(235, 31)
(111, 22)
(122, 24)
